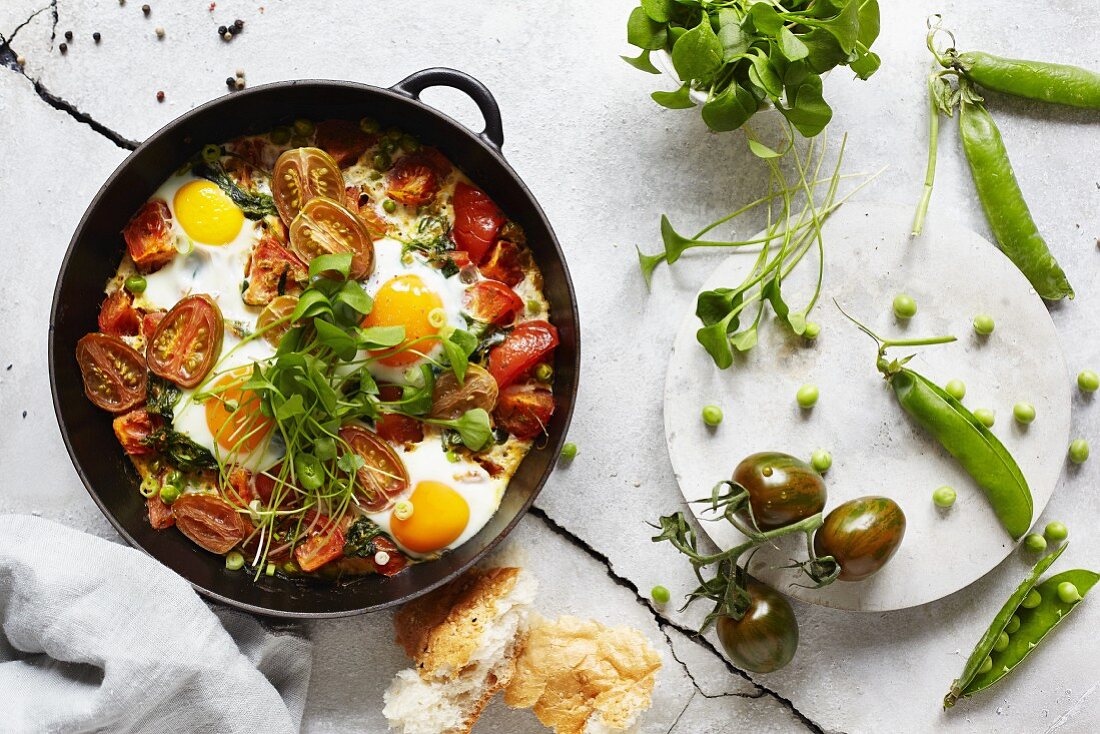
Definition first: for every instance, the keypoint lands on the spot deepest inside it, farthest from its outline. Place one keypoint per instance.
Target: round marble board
(953, 274)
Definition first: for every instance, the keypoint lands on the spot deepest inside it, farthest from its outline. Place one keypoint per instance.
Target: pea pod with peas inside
(965, 437)
(1024, 624)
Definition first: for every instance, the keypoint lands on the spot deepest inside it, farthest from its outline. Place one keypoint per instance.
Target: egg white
(427, 461)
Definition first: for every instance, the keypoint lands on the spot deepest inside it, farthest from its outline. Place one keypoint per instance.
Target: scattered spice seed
(240, 73)
(222, 30)
(22, 61)
(96, 37)
(68, 35)
(160, 32)
(228, 36)
(238, 25)
(63, 47)
(230, 82)
(239, 84)
(145, 9)
(160, 96)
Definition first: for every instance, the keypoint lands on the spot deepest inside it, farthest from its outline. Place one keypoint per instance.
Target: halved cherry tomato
(359, 203)
(384, 475)
(160, 513)
(477, 221)
(187, 341)
(281, 307)
(412, 181)
(209, 521)
(302, 174)
(529, 343)
(397, 560)
(450, 399)
(524, 410)
(492, 302)
(266, 485)
(118, 316)
(149, 323)
(343, 140)
(324, 227)
(397, 428)
(242, 487)
(149, 237)
(133, 428)
(503, 263)
(325, 543)
(273, 271)
(115, 377)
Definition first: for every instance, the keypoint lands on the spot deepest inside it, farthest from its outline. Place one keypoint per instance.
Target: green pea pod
(979, 452)
(1035, 624)
(1038, 80)
(1004, 205)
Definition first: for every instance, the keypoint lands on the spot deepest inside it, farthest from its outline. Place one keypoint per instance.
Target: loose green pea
(956, 389)
(369, 125)
(904, 306)
(1088, 381)
(1035, 542)
(812, 330)
(1001, 644)
(1032, 600)
(986, 416)
(452, 457)
(1013, 625)
(569, 451)
(382, 162)
(1068, 593)
(409, 143)
(1079, 451)
(660, 594)
(387, 146)
(136, 283)
(281, 135)
(1023, 412)
(944, 496)
(983, 324)
(169, 493)
(712, 415)
(234, 561)
(304, 127)
(533, 305)
(821, 460)
(807, 396)
(987, 665)
(1056, 531)
(390, 206)
(544, 372)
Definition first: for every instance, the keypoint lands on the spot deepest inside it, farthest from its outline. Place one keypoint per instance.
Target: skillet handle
(414, 84)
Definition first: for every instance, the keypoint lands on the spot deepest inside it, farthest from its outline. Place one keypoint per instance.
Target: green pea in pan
(1034, 625)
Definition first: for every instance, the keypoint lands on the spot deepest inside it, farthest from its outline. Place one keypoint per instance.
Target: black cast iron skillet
(97, 246)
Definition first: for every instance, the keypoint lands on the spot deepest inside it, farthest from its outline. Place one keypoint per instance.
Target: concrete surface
(605, 162)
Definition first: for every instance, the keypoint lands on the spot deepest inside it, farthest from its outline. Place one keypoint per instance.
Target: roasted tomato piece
(503, 263)
(242, 487)
(529, 343)
(396, 561)
(397, 428)
(273, 271)
(133, 428)
(359, 203)
(451, 399)
(477, 221)
(383, 477)
(160, 513)
(149, 323)
(149, 237)
(324, 544)
(413, 180)
(302, 174)
(268, 487)
(524, 410)
(271, 320)
(187, 341)
(211, 522)
(493, 302)
(118, 316)
(115, 377)
(343, 140)
(324, 227)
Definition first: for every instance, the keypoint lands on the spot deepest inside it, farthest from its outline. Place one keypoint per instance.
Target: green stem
(930, 171)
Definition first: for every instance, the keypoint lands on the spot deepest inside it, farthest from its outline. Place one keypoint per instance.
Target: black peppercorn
(238, 25)
(160, 96)
(145, 9)
(231, 82)
(63, 47)
(96, 37)
(221, 30)
(68, 35)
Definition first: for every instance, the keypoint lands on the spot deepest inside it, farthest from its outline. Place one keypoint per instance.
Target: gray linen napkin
(95, 636)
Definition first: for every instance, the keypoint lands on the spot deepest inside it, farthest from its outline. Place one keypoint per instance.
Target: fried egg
(451, 501)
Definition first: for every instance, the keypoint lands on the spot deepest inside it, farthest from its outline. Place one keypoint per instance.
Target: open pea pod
(973, 445)
(1035, 624)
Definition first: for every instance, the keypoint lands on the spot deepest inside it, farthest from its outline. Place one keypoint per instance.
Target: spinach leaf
(359, 540)
(162, 397)
(180, 450)
(254, 204)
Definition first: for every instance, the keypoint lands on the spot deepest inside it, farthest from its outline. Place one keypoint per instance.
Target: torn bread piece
(581, 677)
(463, 639)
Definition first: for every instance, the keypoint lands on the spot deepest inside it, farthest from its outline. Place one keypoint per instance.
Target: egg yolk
(233, 415)
(406, 301)
(207, 214)
(439, 516)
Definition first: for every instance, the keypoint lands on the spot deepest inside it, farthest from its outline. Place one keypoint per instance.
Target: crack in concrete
(681, 714)
(662, 622)
(9, 59)
(760, 692)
